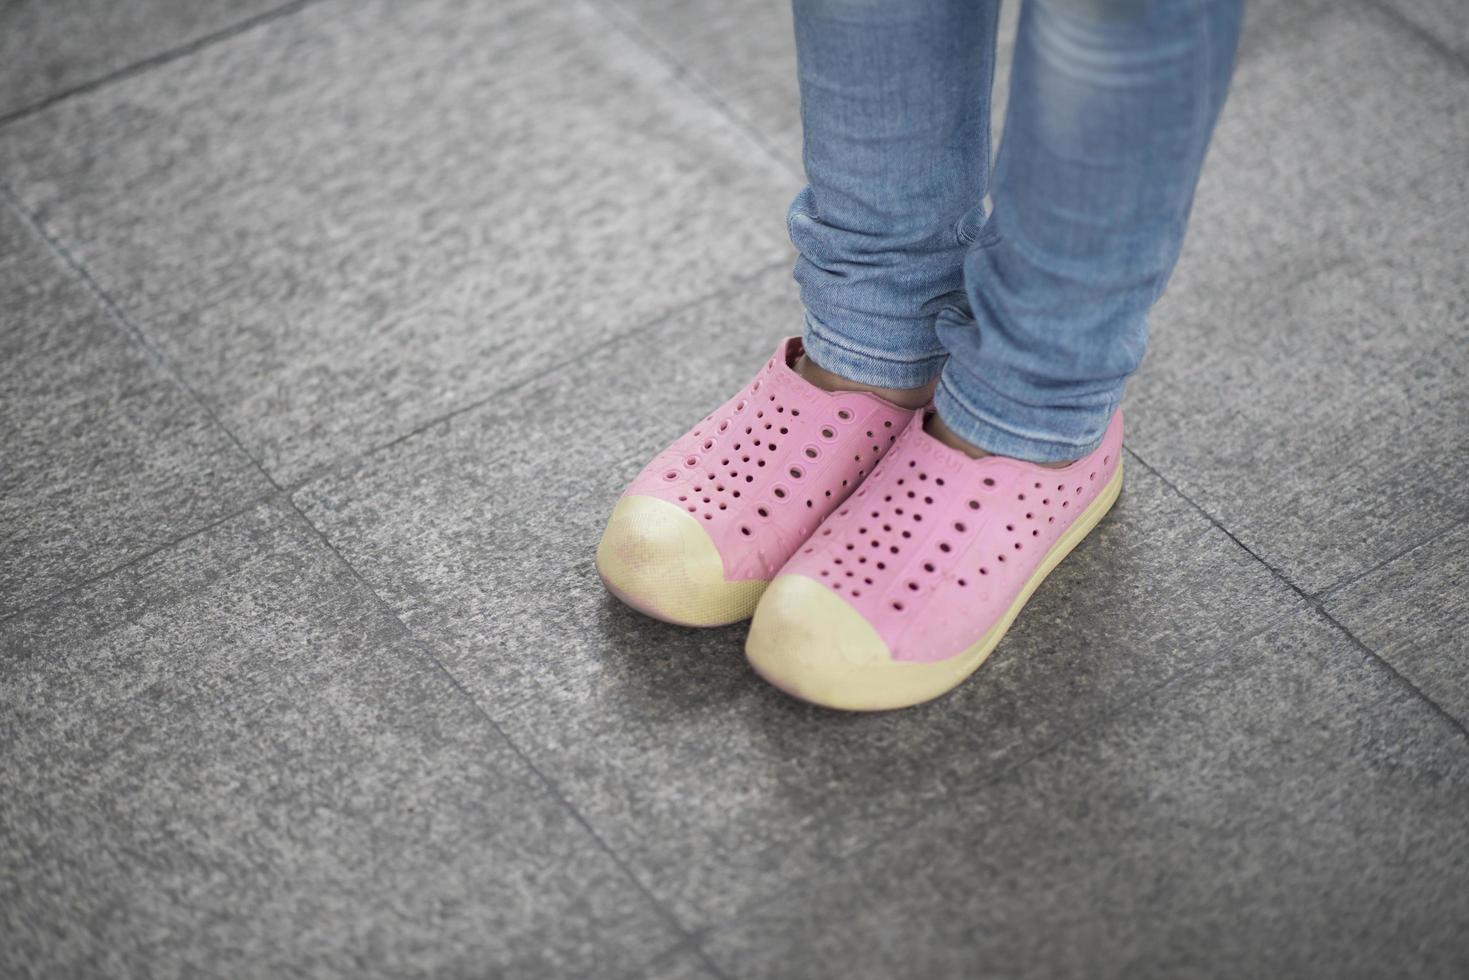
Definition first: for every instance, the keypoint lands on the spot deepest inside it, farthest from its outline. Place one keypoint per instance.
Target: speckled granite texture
(329, 331)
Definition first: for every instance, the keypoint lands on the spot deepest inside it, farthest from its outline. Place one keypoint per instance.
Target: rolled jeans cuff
(999, 425)
(867, 365)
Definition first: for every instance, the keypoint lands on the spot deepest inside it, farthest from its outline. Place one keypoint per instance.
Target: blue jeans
(1034, 314)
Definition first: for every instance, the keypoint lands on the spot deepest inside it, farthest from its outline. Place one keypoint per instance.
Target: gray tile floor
(329, 331)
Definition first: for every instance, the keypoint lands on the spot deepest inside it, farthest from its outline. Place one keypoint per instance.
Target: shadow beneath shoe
(675, 669)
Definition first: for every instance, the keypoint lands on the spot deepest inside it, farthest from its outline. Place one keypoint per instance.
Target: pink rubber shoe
(696, 538)
(903, 592)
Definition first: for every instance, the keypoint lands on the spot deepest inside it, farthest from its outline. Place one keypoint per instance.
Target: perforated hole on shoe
(723, 455)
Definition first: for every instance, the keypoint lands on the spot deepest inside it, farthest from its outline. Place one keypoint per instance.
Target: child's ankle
(935, 427)
(828, 381)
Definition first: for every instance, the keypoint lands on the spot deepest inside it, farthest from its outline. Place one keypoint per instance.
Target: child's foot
(697, 536)
(935, 427)
(903, 592)
(909, 398)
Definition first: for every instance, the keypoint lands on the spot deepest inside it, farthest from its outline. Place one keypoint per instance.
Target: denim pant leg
(1112, 103)
(895, 109)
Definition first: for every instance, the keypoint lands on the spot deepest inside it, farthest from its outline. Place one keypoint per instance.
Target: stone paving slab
(228, 760)
(104, 456)
(714, 787)
(347, 222)
(1291, 811)
(48, 48)
(1414, 613)
(1306, 382)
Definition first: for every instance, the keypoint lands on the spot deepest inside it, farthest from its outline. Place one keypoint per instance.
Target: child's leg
(895, 110)
(907, 588)
(1112, 103)
(895, 101)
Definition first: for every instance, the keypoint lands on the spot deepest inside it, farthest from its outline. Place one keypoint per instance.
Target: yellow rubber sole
(656, 557)
(809, 643)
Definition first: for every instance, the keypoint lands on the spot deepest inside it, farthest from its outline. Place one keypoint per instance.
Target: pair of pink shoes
(881, 566)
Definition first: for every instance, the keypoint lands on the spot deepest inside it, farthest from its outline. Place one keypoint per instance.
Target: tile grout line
(1320, 597)
(1302, 593)
(666, 955)
(704, 958)
(124, 323)
(687, 946)
(61, 595)
(1337, 588)
(346, 460)
(628, 26)
(1316, 602)
(690, 945)
(1421, 34)
(1392, 671)
(155, 60)
(547, 783)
